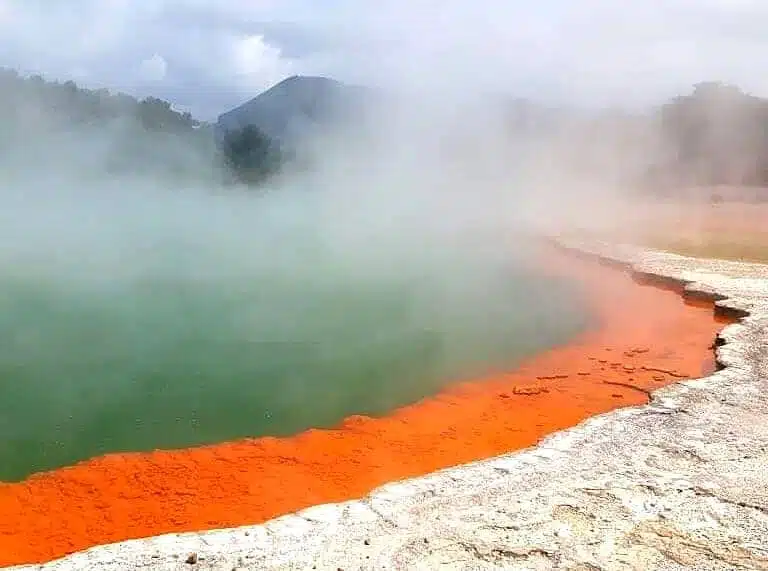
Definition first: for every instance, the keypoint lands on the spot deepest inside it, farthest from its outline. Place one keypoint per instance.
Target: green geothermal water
(166, 361)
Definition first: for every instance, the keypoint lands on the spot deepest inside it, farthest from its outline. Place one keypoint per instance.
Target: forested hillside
(67, 103)
(61, 126)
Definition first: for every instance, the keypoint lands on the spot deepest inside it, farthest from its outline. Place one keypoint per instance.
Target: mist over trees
(94, 132)
(715, 135)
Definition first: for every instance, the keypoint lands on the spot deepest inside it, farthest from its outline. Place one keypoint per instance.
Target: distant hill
(295, 107)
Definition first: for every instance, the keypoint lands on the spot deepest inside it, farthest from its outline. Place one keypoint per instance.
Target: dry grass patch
(740, 246)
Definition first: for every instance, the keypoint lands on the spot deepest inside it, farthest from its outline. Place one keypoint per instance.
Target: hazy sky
(209, 56)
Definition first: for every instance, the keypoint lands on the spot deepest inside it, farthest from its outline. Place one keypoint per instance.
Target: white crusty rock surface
(681, 483)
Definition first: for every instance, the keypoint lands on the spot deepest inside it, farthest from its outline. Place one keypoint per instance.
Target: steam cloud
(427, 196)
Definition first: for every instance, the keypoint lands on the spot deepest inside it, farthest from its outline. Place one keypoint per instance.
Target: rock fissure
(737, 503)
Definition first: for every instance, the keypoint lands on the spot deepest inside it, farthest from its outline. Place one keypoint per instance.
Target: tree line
(54, 123)
(716, 135)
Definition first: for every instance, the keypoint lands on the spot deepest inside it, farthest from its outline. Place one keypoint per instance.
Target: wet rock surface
(681, 483)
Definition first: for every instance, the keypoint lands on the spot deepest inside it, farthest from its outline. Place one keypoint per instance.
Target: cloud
(144, 49)
(255, 62)
(215, 55)
(592, 51)
(154, 68)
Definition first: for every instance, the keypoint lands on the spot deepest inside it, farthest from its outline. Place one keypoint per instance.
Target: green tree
(251, 154)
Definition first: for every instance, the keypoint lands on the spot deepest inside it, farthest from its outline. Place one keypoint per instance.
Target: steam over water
(134, 319)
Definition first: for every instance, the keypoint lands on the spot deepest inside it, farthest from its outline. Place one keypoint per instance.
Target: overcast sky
(208, 56)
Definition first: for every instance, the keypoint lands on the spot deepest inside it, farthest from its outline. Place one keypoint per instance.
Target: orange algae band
(647, 337)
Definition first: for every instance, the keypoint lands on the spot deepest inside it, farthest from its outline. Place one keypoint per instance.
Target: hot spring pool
(174, 342)
(176, 364)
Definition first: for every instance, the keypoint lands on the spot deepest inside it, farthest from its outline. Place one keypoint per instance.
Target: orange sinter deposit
(647, 337)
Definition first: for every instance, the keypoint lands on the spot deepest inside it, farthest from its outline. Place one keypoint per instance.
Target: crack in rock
(499, 554)
(737, 503)
(685, 550)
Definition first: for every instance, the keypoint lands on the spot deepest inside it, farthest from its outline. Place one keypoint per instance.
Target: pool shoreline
(545, 386)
